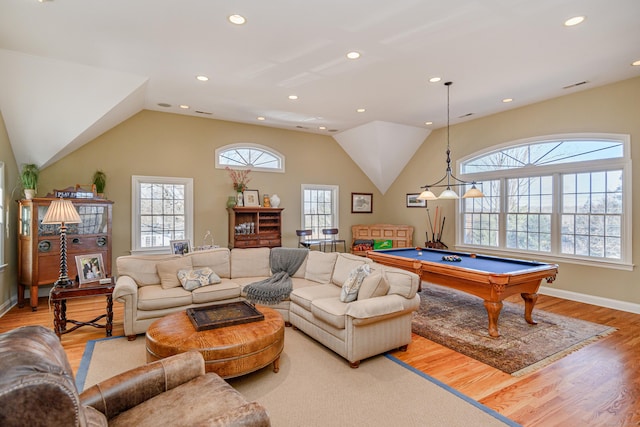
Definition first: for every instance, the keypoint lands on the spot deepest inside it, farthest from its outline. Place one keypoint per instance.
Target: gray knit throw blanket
(284, 263)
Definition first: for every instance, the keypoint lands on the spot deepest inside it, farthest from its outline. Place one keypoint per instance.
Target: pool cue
(442, 227)
(430, 224)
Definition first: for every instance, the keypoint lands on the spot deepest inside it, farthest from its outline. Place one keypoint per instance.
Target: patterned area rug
(459, 321)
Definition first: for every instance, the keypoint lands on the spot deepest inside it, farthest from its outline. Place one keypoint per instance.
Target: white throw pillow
(193, 279)
(352, 285)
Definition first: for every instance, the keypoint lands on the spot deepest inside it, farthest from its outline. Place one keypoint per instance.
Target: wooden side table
(59, 297)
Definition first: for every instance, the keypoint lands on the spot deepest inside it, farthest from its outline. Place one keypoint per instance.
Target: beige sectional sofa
(377, 321)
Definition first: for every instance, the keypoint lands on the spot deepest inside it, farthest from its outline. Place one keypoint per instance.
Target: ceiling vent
(576, 84)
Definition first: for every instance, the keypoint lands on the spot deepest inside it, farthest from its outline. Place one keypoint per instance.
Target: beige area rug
(459, 321)
(315, 387)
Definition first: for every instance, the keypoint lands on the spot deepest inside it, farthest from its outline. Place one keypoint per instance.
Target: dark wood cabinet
(255, 227)
(39, 244)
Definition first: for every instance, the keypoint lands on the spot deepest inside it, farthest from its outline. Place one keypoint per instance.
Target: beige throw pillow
(168, 271)
(374, 285)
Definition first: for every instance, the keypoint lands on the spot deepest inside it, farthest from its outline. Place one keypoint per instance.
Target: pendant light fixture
(452, 181)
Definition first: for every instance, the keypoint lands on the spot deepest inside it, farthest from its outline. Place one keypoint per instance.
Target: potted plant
(100, 181)
(29, 178)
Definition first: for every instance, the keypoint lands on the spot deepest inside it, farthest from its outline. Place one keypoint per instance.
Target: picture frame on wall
(180, 247)
(251, 198)
(361, 202)
(414, 202)
(90, 268)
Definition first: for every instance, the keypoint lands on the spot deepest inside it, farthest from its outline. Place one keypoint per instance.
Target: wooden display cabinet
(39, 244)
(255, 227)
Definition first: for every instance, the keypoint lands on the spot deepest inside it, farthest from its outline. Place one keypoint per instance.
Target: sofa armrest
(125, 285)
(129, 389)
(374, 309)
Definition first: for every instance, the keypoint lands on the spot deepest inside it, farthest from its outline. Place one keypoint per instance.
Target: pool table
(488, 277)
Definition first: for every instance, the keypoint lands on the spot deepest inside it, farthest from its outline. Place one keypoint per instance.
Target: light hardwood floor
(598, 385)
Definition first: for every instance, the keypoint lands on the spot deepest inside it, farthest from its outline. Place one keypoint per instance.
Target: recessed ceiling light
(353, 55)
(507, 100)
(184, 107)
(360, 110)
(322, 127)
(574, 21)
(237, 19)
(202, 78)
(428, 123)
(261, 118)
(293, 97)
(435, 79)
(636, 63)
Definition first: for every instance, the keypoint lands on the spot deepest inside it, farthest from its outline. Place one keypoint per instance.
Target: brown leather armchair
(37, 388)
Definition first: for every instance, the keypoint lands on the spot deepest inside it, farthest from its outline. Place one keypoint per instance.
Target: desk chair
(331, 233)
(304, 240)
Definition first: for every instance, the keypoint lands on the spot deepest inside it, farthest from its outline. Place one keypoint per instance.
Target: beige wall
(613, 108)
(153, 143)
(9, 274)
(161, 144)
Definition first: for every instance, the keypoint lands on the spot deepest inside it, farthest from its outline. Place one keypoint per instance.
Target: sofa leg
(404, 347)
(355, 364)
(287, 324)
(131, 337)
(295, 328)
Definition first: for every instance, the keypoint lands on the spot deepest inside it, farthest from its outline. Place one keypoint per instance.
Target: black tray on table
(221, 315)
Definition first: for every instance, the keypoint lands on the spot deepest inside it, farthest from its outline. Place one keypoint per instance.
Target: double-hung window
(162, 211)
(319, 208)
(565, 196)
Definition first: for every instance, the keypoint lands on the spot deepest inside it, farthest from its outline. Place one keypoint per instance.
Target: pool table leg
(529, 302)
(493, 311)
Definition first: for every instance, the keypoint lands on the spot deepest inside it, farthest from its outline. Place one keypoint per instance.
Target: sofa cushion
(157, 298)
(330, 310)
(250, 262)
(302, 270)
(373, 285)
(345, 264)
(320, 266)
(142, 268)
(168, 271)
(401, 282)
(351, 286)
(191, 279)
(225, 290)
(217, 259)
(304, 296)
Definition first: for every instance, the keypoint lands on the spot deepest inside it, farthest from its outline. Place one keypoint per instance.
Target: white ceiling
(72, 69)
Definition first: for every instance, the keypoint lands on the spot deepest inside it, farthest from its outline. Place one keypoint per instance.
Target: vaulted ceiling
(72, 69)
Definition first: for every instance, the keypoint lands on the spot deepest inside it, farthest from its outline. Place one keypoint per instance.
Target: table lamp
(62, 212)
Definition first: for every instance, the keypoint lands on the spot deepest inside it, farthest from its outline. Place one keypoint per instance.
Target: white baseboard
(4, 308)
(590, 299)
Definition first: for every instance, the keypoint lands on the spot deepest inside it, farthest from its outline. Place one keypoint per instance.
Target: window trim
(136, 180)
(624, 163)
(335, 202)
(249, 145)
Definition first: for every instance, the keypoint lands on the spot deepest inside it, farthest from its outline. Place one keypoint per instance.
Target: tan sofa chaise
(378, 320)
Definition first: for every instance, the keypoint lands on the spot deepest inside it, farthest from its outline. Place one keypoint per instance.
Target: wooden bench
(401, 236)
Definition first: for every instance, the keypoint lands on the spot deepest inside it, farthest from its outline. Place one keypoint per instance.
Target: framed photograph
(413, 202)
(180, 247)
(251, 198)
(361, 202)
(90, 268)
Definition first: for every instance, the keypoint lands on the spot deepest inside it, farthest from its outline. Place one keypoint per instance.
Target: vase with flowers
(239, 178)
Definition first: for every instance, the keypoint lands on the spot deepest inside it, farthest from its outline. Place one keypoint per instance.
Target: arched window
(565, 196)
(249, 156)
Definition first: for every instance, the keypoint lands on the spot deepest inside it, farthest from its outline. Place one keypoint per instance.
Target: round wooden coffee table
(228, 351)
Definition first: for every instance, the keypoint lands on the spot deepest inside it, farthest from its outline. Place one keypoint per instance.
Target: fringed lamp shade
(62, 212)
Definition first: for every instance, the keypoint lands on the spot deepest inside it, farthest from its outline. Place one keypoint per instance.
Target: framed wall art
(414, 202)
(90, 268)
(361, 202)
